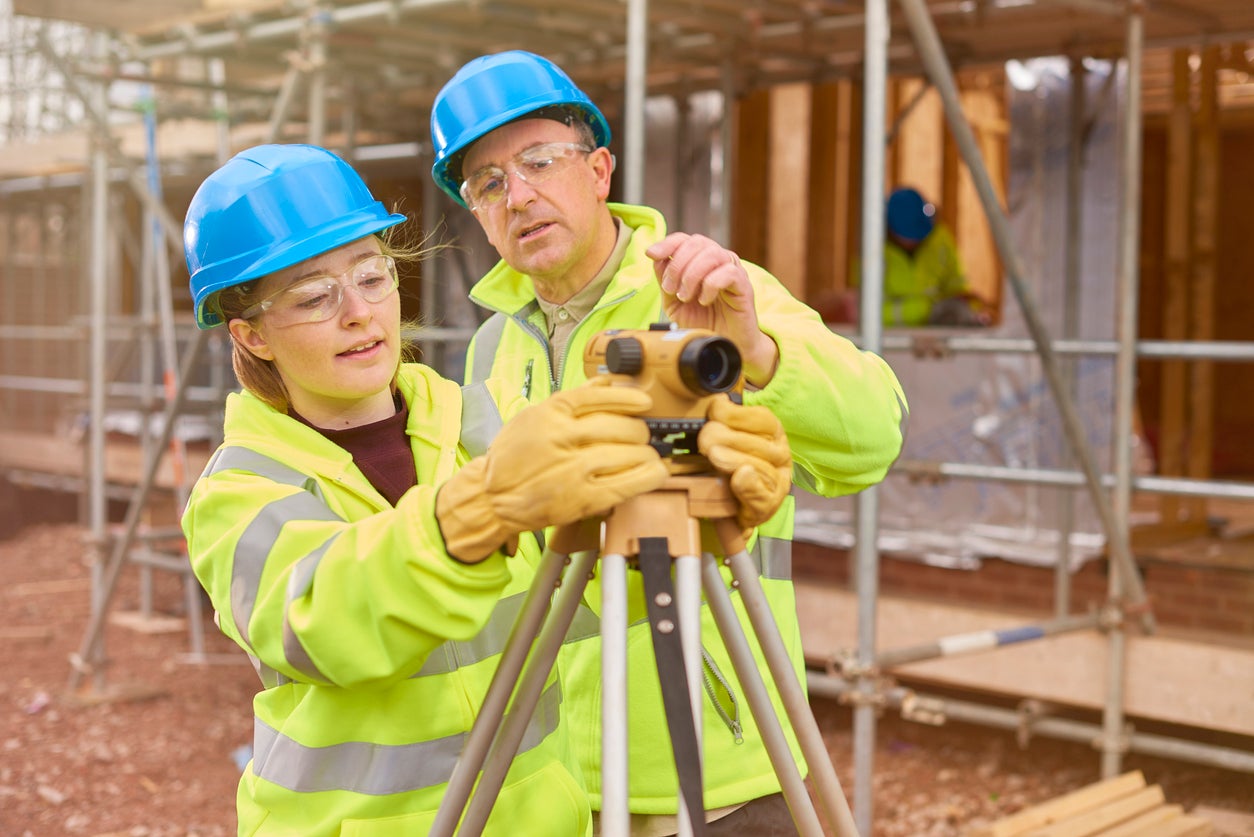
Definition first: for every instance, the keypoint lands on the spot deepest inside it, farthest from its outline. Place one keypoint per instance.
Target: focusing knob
(624, 356)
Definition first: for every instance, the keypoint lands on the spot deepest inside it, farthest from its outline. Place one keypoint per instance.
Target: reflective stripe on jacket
(844, 414)
(374, 646)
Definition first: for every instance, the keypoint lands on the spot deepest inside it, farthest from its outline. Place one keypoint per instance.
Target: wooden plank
(827, 247)
(54, 586)
(1227, 823)
(1095, 821)
(788, 186)
(1179, 827)
(147, 623)
(46, 453)
(1179, 679)
(750, 167)
(919, 158)
(1065, 806)
(1205, 253)
(1168, 531)
(23, 632)
(1177, 237)
(1136, 825)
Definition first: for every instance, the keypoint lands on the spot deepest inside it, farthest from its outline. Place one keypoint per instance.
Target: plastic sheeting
(997, 409)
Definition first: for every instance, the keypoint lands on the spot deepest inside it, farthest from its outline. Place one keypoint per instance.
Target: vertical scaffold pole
(1113, 743)
(866, 551)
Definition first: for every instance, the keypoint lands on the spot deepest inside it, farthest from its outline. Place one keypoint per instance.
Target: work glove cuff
(471, 528)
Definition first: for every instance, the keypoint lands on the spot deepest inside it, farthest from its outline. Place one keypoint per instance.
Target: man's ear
(603, 167)
(250, 338)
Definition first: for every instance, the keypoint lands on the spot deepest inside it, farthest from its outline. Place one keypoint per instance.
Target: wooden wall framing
(1196, 261)
(799, 155)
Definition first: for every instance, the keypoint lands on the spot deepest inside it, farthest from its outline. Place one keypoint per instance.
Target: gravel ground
(161, 759)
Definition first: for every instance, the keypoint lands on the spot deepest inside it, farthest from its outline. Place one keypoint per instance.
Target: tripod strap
(655, 570)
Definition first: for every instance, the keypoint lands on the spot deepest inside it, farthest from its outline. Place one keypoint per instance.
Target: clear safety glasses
(536, 165)
(318, 298)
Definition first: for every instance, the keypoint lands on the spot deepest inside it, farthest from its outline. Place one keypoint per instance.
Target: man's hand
(748, 444)
(705, 286)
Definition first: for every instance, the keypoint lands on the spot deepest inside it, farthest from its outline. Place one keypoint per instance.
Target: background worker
(349, 541)
(526, 151)
(925, 282)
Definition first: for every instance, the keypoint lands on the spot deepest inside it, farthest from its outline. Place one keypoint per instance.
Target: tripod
(676, 513)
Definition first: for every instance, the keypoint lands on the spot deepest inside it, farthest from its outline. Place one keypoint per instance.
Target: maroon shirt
(380, 449)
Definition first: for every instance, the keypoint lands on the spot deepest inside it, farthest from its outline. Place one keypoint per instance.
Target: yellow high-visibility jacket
(374, 646)
(844, 413)
(914, 283)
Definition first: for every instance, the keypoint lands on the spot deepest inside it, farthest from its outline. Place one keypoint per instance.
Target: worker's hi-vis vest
(844, 434)
(374, 646)
(914, 283)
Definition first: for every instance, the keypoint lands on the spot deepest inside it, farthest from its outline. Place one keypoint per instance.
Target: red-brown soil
(160, 760)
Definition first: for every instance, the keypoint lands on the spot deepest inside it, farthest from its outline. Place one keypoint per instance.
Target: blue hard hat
(268, 208)
(492, 90)
(909, 215)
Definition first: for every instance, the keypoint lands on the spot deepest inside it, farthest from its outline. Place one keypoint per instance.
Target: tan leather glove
(572, 456)
(748, 444)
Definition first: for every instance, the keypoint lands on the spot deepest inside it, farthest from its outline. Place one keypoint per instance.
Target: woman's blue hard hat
(268, 208)
(492, 90)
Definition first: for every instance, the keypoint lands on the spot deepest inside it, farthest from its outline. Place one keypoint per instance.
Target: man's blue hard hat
(492, 90)
(909, 215)
(268, 208)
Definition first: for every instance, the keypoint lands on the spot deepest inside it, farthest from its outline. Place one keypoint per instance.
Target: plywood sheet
(1169, 679)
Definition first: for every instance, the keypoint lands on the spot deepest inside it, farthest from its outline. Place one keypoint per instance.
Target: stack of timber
(1118, 807)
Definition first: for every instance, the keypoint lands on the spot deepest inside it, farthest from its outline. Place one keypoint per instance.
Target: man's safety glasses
(318, 298)
(536, 165)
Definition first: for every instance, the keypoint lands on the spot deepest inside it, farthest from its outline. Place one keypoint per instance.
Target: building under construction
(1067, 542)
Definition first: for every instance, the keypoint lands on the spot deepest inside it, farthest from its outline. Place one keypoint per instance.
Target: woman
(349, 541)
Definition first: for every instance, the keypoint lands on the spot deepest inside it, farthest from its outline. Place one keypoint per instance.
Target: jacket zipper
(730, 714)
(575, 333)
(528, 327)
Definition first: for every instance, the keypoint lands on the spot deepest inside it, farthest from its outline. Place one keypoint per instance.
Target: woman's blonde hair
(261, 377)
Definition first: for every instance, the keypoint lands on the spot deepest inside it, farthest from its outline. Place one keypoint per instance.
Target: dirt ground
(163, 760)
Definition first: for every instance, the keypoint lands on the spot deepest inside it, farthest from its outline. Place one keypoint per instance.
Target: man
(925, 282)
(526, 151)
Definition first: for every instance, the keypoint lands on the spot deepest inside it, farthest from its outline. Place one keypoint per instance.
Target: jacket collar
(505, 289)
(434, 420)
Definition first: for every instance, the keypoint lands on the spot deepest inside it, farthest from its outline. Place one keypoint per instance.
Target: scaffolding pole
(633, 107)
(98, 290)
(1183, 486)
(1113, 741)
(943, 345)
(90, 656)
(866, 568)
(316, 34)
(969, 643)
(1076, 135)
(156, 280)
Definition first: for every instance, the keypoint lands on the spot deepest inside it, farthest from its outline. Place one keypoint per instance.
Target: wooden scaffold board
(1120, 807)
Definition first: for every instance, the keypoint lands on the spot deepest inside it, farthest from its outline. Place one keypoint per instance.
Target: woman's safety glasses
(318, 298)
(538, 164)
